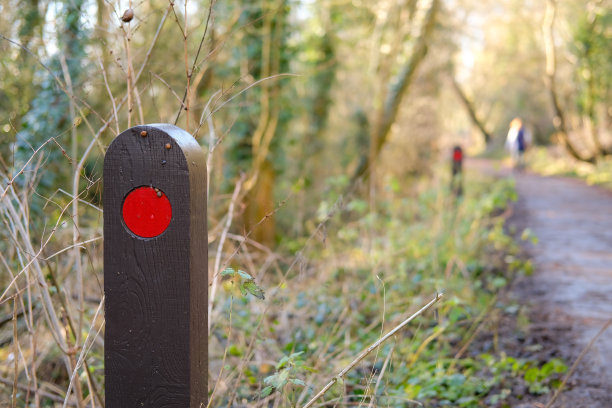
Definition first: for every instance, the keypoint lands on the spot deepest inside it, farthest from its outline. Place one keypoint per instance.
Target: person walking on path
(516, 142)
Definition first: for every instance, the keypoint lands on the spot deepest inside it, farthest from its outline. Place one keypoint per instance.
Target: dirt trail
(570, 291)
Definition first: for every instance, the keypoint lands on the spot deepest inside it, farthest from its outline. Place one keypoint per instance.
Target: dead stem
(195, 60)
(380, 377)
(228, 224)
(374, 346)
(573, 367)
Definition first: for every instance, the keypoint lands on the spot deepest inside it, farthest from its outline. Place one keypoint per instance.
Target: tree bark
(469, 106)
(559, 120)
(387, 115)
(259, 187)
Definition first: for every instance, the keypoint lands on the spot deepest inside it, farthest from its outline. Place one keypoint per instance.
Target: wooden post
(457, 171)
(155, 269)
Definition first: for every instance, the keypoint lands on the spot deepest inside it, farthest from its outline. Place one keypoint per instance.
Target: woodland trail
(570, 290)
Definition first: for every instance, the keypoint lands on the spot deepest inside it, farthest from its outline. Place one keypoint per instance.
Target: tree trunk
(260, 206)
(387, 115)
(559, 120)
(469, 106)
(259, 187)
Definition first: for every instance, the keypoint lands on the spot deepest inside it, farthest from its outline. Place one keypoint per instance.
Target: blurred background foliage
(332, 121)
(330, 74)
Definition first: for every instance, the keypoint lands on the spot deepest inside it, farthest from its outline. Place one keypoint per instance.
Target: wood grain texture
(156, 342)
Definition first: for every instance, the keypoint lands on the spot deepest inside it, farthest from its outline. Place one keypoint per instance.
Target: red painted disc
(147, 212)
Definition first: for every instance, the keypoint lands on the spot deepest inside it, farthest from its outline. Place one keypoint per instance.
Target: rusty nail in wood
(168, 146)
(143, 133)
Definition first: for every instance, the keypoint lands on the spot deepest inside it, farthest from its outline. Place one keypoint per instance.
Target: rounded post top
(180, 136)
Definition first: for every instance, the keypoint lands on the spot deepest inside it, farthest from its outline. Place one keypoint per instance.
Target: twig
(15, 352)
(186, 57)
(50, 314)
(195, 60)
(211, 149)
(373, 347)
(110, 94)
(78, 244)
(474, 329)
(424, 344)
(259, 81)
(36, 255)
(129, 77)
(247, 355)
(228, 224)
(139, 104)
(229, 336)
(52, 397)
(380, 376)
(73, 378)
(249, 241)
(75, 229)
(178, 98)
(571, 370)
(153, 42)
(27, 163)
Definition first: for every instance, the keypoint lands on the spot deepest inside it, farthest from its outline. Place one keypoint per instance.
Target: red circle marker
(147, 212)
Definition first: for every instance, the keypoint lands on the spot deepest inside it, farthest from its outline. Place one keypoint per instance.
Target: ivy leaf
(267, 391)
(283, 377)
(227, 272)
(297, 381)
(244, 275)
(271, 380)
(253, 289)
(531, 375)
(282, 362)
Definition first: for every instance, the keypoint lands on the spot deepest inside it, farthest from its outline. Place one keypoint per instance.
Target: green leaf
(273, 381)
(253, 289)
(283, 376)
(526, 234)
(267, 391)
(282, 362)
(531, 375)
(227, 272)
(297, 381)
(499, 282)
(234, 350)
(244, 275)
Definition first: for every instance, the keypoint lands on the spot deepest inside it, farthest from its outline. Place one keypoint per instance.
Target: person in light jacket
(516, 142)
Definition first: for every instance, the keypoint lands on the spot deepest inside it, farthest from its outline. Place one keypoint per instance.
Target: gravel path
(570, 291)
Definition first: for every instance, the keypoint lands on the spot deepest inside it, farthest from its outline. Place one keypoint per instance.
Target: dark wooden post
(155, 269)
(457, 171)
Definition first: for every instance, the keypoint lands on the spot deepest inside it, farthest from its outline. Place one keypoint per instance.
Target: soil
(569, 294)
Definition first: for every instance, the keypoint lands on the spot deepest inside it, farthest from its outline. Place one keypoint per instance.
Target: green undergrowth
(365, 268)
(553, 161)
